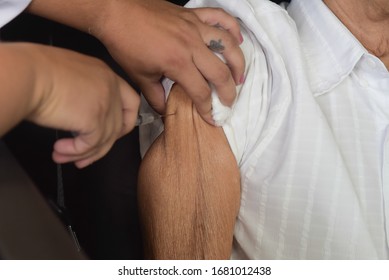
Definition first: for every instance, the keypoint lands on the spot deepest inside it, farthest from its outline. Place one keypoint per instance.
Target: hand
(81, 94)
(152, 39)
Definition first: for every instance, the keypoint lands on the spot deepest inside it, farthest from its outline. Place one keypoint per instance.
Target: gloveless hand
(81, 94)
(152, 39)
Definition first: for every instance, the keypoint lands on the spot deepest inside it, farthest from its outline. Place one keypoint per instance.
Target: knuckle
(135, 102)
(223, 76)
(202, 95)
(229, 40)
(104, 101)
(188, 29)
(190, 15)
(219, 11)
(189, 33)
(179, 60)
(229, 99)
(101, 116)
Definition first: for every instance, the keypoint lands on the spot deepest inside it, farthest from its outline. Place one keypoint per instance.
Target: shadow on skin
(189, 188)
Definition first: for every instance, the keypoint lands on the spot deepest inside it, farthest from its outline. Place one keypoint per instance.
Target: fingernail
(212, 122)
(242, 79)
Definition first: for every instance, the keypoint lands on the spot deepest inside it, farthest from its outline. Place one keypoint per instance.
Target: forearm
(19, 92)
(151, 39)
(85, 15)
(91, 16)
(66, 90)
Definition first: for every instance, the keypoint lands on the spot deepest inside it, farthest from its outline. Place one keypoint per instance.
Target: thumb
(155, 95)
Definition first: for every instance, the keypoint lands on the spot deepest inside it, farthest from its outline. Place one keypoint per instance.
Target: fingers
(218, 17)
(92, 141)
(219, 75)
(181, 53)
(220, 41)
(130, 107)
(221, 34)
(207, 67)
(193, 83)
(79, 150)
(154, 94)
(223, 31)
(92, 144)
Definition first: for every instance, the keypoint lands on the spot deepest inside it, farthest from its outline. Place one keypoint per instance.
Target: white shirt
(9, 9)
(310, 133)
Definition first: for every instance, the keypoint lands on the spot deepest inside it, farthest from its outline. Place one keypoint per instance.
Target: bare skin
(66, 90)
(368, 20)
(152, 39)
(149, 38)
(189, 188)
(168, 205)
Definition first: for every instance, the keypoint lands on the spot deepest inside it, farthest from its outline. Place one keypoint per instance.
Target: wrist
(85, 15)
(107, 26)
(21, 81)
(39, 75)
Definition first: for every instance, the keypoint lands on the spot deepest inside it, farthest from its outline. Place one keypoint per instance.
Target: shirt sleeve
(264, 97)
(9, 9)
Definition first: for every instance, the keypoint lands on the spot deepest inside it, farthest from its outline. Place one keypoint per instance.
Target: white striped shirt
(310, 134)
(9, 9)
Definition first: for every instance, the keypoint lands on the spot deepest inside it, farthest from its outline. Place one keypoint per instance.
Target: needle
(143, 119)
(147, 118)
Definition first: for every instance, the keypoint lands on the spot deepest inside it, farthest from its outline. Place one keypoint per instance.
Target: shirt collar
(331, 50)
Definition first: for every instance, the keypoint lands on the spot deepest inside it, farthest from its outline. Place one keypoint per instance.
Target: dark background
(101, 199)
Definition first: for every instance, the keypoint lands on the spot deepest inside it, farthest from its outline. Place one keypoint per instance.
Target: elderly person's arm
(189, 187)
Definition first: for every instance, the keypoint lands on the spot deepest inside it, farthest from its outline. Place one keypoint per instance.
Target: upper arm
(189, 187)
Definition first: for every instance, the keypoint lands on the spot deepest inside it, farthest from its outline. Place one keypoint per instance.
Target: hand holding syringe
(147, 118)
